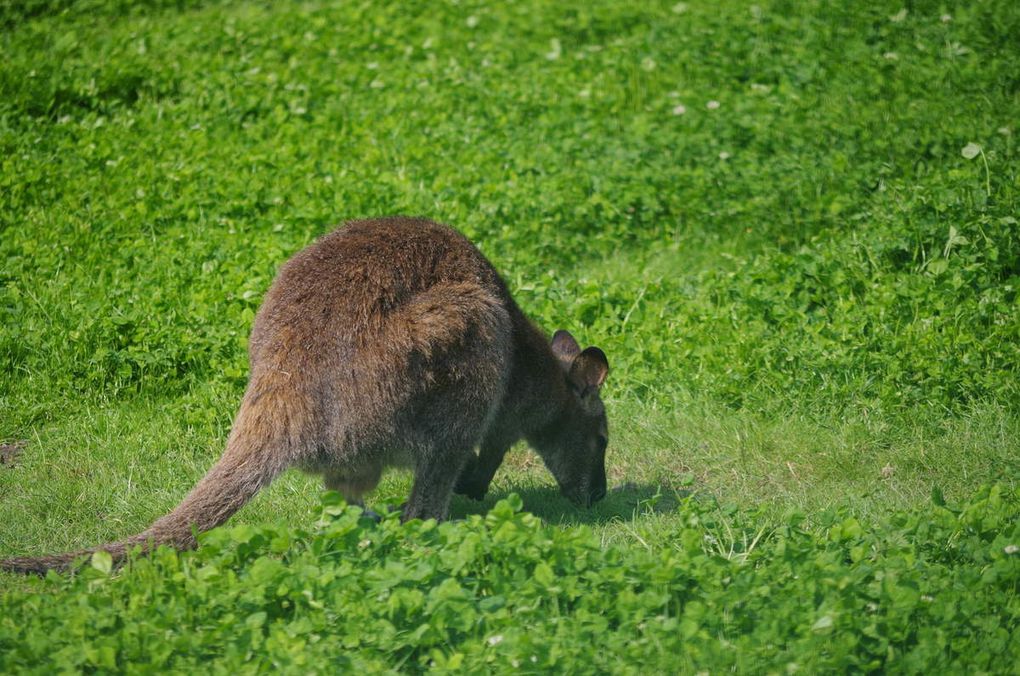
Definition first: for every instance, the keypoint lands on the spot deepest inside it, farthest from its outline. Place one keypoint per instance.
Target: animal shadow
(621, 503)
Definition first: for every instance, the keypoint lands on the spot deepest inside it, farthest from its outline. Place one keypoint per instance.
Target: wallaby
(393, 342)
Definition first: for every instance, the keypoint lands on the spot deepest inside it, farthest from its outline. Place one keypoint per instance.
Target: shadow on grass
(621, 503)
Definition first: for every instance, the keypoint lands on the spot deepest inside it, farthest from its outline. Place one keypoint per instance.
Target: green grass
(771, 217)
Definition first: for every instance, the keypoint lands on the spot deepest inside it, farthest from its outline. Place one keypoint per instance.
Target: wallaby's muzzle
(586, 497)
(587, 492)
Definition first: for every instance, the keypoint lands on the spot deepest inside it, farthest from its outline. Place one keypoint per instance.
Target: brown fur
(393, 342)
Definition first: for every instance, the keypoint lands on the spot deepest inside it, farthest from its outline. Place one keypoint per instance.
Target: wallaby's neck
(537, 392)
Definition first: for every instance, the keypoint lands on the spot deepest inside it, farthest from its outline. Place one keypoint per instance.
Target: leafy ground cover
(930, 590)
(792, 227)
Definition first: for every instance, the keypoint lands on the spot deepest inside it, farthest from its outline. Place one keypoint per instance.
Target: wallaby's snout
(587, 493)
(583, 480)
(573, 444)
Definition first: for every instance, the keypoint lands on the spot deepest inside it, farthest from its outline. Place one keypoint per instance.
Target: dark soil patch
(9, 452)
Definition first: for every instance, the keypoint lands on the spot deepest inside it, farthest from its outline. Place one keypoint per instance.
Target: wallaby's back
(392, 329)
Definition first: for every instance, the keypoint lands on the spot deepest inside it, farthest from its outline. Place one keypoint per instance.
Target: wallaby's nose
(585, 496)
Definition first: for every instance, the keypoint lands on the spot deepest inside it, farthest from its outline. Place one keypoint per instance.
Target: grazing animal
(393, 342)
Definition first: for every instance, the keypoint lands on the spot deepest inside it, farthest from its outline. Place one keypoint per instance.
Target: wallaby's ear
(565, 347)
(589, 371)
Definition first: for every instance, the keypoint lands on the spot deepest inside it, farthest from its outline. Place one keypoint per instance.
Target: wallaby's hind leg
(459, 341)
(434, 478)
(445, 450)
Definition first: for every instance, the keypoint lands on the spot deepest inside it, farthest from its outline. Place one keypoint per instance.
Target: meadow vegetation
(792, 226)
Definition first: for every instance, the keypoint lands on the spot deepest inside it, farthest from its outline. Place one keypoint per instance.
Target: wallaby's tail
(259, 448)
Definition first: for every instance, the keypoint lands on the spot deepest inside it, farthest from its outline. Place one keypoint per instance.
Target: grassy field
(792, 226)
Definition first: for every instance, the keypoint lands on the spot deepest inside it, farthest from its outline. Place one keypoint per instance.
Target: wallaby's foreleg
(474, 480)
(434, 477)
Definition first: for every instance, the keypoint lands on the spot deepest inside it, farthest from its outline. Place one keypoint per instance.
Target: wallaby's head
(573, 445)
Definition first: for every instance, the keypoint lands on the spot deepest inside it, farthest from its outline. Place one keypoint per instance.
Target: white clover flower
(1011, 549)
(495, 639)
(679, 109)
(712, 105)
(472, 21)
(555, 50)
(946, 18)
(724, 156)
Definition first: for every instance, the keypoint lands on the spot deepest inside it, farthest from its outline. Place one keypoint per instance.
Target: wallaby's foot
(404, 517)
(371, 514)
